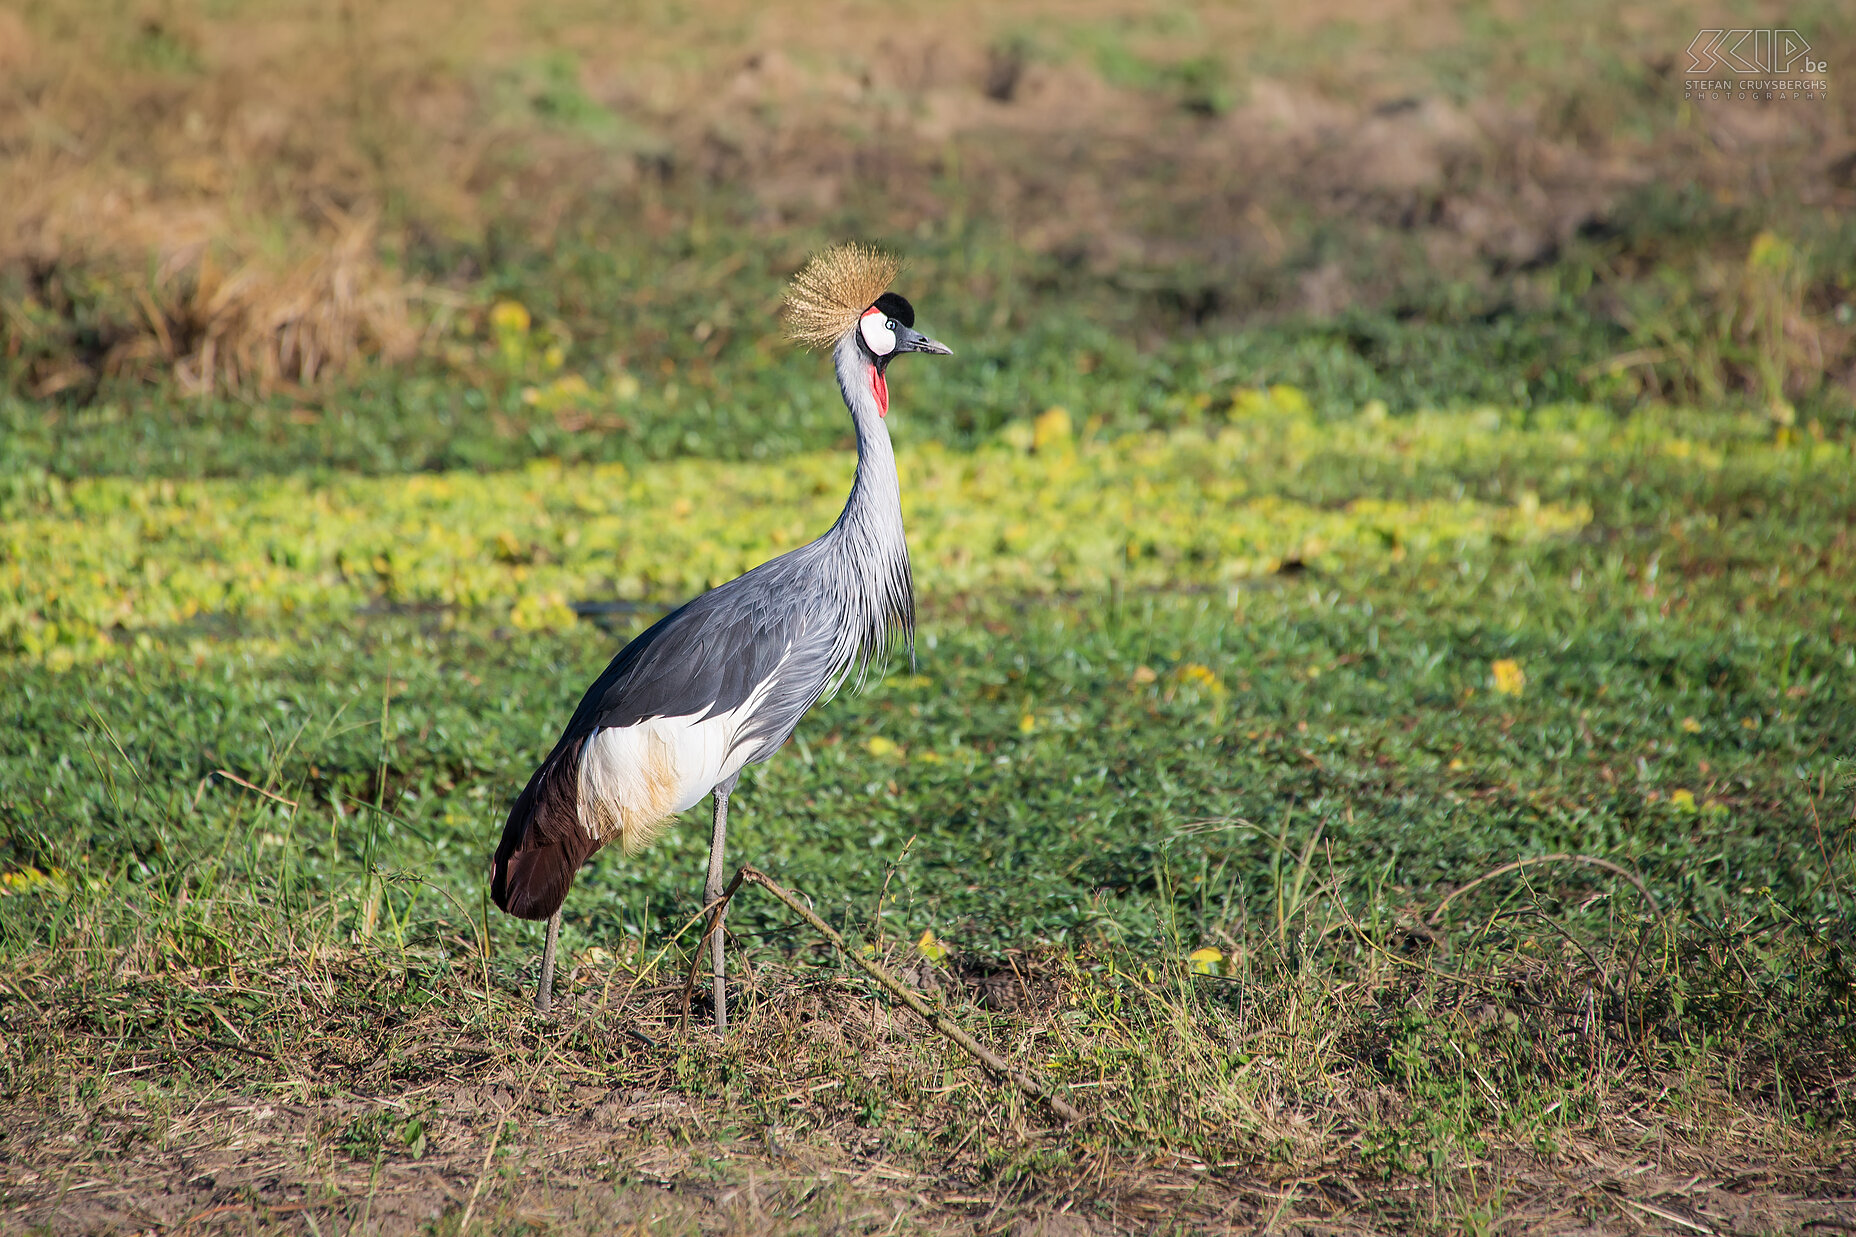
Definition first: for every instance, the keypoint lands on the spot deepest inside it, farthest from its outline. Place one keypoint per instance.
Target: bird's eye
(891, 324)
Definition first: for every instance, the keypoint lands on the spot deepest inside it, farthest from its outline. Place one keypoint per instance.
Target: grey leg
(711, 893)
(544, 991)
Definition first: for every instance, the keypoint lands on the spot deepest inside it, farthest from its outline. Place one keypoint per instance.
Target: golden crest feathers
(833, 290)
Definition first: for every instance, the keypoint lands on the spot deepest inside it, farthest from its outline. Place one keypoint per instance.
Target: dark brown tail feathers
(543, 844)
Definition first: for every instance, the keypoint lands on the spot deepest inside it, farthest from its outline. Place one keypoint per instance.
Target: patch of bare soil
(825, 1110)
(584, 1158)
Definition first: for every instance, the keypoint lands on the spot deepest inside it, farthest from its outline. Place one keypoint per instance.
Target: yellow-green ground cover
(94, 560)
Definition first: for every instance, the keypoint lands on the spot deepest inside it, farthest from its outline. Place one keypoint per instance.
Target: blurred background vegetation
(241, 235)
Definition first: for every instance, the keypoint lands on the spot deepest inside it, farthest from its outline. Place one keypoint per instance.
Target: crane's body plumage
(722, 682)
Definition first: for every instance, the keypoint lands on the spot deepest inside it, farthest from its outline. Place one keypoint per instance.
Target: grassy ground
(1378, 742)
(248, 853)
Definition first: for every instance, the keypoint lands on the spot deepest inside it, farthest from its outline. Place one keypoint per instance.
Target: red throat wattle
(880, 389)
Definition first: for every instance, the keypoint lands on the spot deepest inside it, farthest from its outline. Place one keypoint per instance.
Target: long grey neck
(871, 559)
(875, 504)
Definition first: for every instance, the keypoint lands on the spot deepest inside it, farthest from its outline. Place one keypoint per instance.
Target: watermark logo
(1747, 52)
(1754, 64)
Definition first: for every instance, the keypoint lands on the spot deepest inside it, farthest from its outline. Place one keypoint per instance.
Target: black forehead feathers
(895, 307)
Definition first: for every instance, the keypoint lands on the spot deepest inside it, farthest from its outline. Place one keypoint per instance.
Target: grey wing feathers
(709, 655)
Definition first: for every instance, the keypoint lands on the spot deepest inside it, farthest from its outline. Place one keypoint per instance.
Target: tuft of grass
(1731, 329)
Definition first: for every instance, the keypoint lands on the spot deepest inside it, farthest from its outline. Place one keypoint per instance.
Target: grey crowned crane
(720, 683)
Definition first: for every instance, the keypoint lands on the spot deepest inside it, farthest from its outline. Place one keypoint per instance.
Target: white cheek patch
(877, 335)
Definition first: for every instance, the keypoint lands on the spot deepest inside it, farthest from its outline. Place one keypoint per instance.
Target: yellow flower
(1510, 679)
(877, 745)
(561, 393)
(1770, 252)
(1207, 961)
(1691, 726)
(545, 611)
(1289, 399)
(930, 948)
(1280, 399)
(1196, 675)
(1027, 724)
(1682, 800)
(509, 318)
(1051, 428)
(30, 880)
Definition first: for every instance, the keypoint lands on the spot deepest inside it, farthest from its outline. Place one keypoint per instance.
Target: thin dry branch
(1588, 860)
(1591, 861)
(996, 1064)
(235, 778)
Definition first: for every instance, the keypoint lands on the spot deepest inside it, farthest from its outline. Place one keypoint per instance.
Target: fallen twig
(1670, 1216)
(228, 1046)
(1588, 860)
(1592, 861)
(984, 1055)
(233, 777)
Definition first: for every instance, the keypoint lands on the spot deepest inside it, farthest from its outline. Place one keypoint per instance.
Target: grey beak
(911, 340)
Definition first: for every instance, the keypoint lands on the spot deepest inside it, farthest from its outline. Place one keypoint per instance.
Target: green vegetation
(1665, 631)
(1212, 829)
(1379, 731)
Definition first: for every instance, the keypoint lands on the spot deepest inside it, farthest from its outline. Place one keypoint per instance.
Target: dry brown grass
(256, 326)
(230, 188)
(213, 1067)
(184, 202)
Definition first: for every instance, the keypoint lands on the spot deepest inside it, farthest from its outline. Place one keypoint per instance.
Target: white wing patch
(633, 779)
(877, 332)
